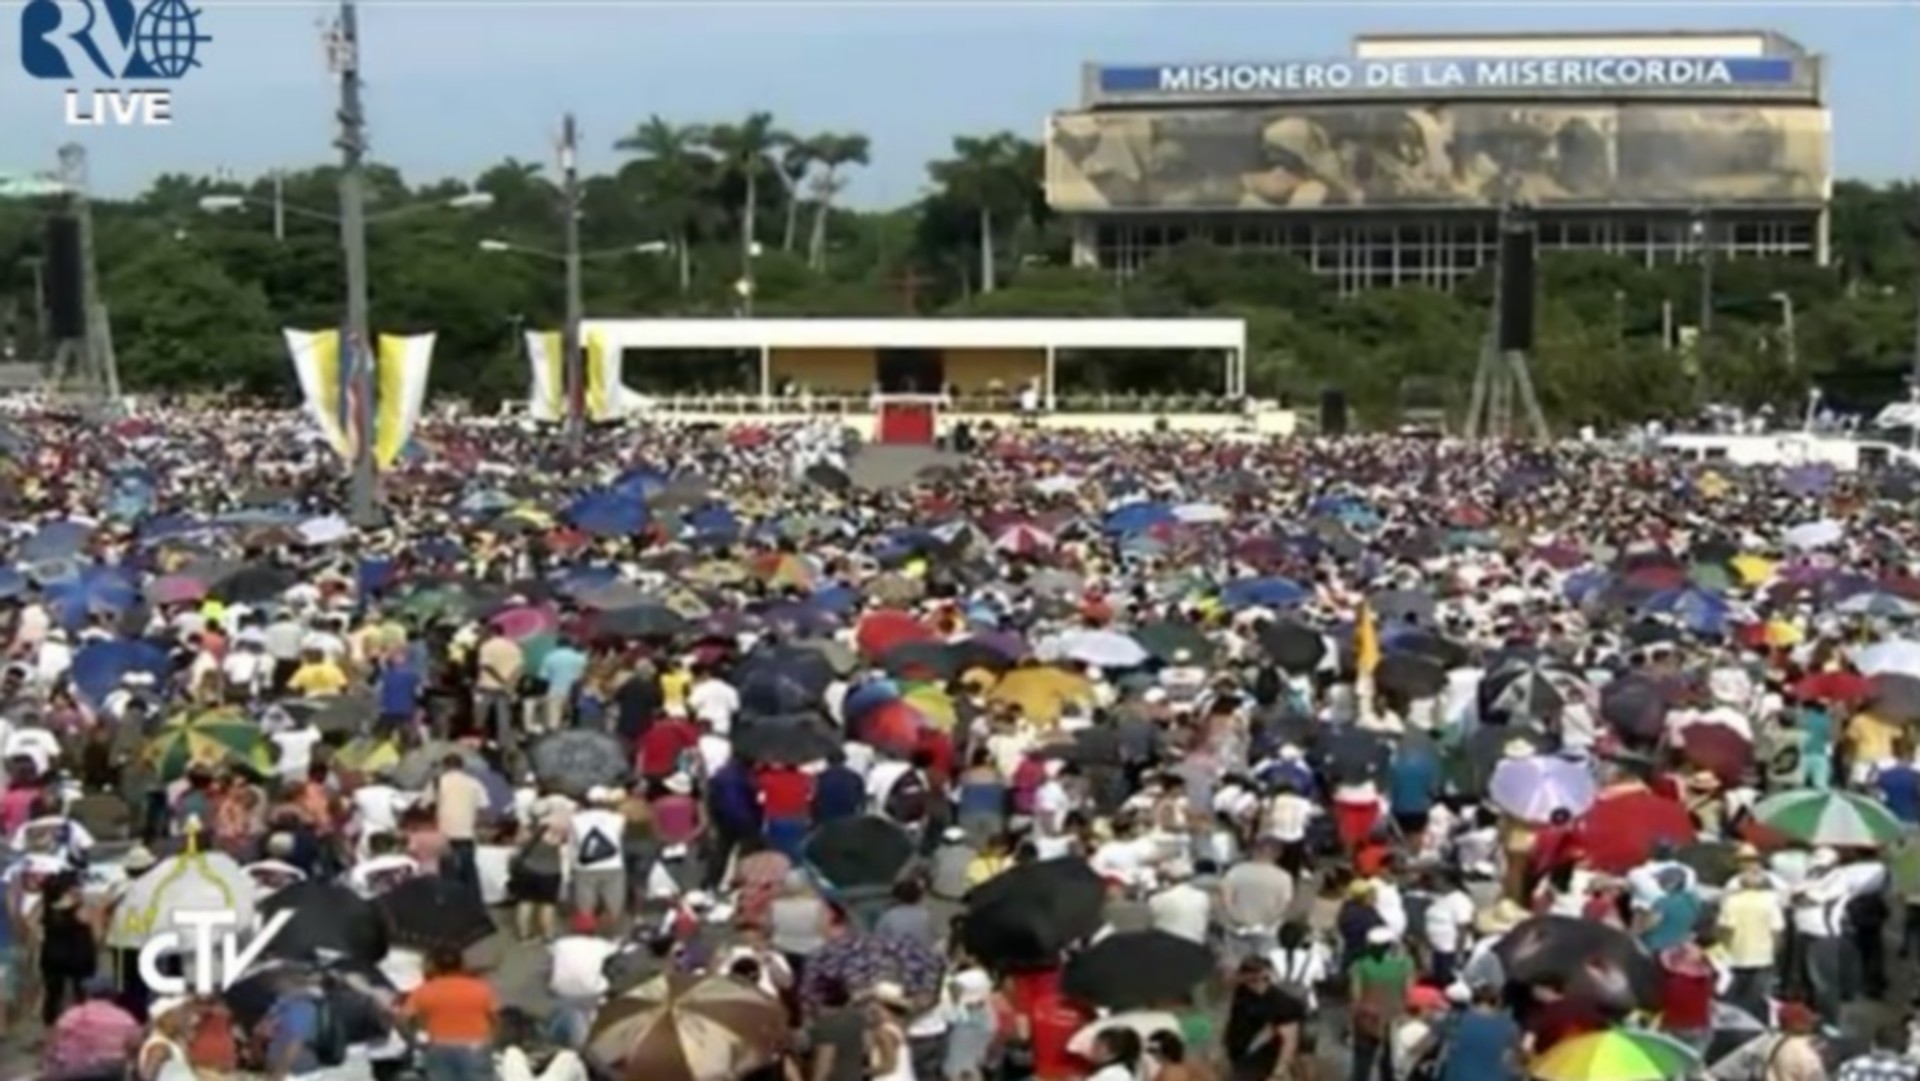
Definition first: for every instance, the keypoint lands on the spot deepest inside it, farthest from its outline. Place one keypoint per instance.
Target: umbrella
(1168, 640)
(862, 960)
(1107, 649)
(1616, 1055)
(1894, 655)
(577, 759)
(329, 918)
(1026, 916)
(1409, 676)
(340, 713)
(640, 621)
(1136, 968)
(1602, 963)
(1833, 819)
(1627, 823)
(176, 589)
(255, 584)
(432, 912)
(212, 738)
(1042, 693)
(853, 852)
(792, 738)
(423, 762)
(350, 987)
(1716, 748)
(880, 633)
(194, 881)
(1292, 646)
(1534, 788)
(679, 1027)
(1535, 693)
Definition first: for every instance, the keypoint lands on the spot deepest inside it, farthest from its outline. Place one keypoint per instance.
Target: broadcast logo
(210, 974)
(115, 41)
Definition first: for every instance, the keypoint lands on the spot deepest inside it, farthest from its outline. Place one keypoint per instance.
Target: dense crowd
(701, 754)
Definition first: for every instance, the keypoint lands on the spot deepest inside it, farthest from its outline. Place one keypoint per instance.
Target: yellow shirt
(981, 868)
(318, 678)
(501, 663)
(673, 688)
(1753, 922)
(1871, 738)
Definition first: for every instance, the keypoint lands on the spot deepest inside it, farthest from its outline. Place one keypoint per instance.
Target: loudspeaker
(65, 282)
(1516, 290)
(1333, 412)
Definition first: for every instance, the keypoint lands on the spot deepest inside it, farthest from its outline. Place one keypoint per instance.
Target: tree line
(693, 211)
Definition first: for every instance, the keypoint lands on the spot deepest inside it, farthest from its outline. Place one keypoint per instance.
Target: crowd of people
(713, 754)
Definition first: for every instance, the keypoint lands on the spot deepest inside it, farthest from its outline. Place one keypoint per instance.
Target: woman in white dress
(163, 1056)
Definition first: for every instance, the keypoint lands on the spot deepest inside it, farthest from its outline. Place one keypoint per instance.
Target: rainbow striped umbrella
(211, 738)
(1619, 1054)
(1833, 819)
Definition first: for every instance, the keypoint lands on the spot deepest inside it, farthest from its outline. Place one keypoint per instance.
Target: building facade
(1394, 166)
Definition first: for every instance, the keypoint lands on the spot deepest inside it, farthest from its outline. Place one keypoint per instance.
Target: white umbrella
(1818, 534)
(1899, 656)
(1144, 1023)
(1202, 513)
(193, 881)
(1108, 649)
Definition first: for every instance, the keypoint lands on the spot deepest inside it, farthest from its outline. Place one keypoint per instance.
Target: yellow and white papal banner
(547, 400)
(402, 367)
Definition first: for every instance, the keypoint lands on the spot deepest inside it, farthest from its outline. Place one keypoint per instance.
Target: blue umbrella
(96, 591)
(641, 482)
(714, 524)
(56, 540)
(499, 792)
(99, 667)
(1695, 609)
(1262, 593)
(608, 514)
(12, 583)
(1137, 518)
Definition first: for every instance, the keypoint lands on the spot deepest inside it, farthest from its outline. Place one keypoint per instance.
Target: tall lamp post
(352, 142)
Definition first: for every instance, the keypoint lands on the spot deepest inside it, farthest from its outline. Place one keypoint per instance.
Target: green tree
(672, 176)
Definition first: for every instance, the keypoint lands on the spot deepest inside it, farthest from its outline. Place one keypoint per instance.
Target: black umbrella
(1636, 706)
(254, 584)
(346, 985)
(1027, 916)
(1443, 652)
(577, 759)
(640, 621)
(327, 918)
(854, 852)
(921, 660)
(1353, 755)
(432, 913)
(1292, 646)
(793, 738)
(1594, 960)
(1136, 969)
(1410, 676)
(830, 477)
(1528, 691)
(338, 713)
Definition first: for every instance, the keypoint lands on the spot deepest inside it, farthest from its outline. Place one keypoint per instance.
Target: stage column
(1052, 358)
(766, 378)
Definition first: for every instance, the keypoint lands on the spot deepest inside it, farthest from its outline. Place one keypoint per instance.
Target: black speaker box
(65, 280)
(1333, 412)
(1516, 290)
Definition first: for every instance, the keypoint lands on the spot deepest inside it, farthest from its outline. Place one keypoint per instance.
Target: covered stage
(935, 357)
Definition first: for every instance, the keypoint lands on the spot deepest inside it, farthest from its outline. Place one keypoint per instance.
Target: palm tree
(672, 173)
(796, 161)
(991, 176)
(743, 151)
(833, 152)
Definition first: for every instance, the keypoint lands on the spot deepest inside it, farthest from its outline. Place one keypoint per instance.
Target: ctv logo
(115, 41)
(230, 965)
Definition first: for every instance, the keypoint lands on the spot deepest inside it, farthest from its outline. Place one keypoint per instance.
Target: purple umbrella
(1532, 789)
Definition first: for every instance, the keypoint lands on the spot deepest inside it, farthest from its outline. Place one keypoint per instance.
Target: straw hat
(1501, 918)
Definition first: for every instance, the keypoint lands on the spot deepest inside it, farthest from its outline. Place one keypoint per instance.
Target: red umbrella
(882, 632)
(1835, 686)
(1718, 749)
(1627, 822)
(892, 726)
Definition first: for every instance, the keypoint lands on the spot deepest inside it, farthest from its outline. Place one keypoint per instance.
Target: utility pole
(570, 347)
(345, 50)
(279, 206)
(1703, 232)
(89, 366)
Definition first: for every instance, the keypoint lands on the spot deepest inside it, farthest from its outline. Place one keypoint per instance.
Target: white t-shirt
(377, 807)
(579, 963)
(714, 702)
(296, 750)
(1050, 806)
(610, 826)
(1182, 910)
(1448, 917)
(1288, 817)
(36, 743)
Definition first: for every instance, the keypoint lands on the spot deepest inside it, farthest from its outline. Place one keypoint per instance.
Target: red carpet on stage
(906, 423)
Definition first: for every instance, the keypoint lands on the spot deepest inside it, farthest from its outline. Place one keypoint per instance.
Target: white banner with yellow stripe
(606, 398)
(402, 370)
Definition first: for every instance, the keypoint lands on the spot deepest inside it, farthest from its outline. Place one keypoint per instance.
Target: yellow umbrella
(1042, 693)
(934, 704)
(369, 755)
(716, 573)
(1751, 568)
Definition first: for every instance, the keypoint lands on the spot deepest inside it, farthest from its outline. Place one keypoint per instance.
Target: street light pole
(353, 238)
(570, 347)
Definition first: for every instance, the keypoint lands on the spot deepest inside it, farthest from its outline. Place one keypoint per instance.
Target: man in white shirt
(55, 658)
(247, 668)
(1820, 919)
(1448, 918)
(594, 838)
(296, 743)
(458, 799)
(713, 701)
(386, 865)
(577, 974)
(1182, 908)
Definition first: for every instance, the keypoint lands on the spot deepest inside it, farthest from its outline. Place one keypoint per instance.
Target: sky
(455, 85)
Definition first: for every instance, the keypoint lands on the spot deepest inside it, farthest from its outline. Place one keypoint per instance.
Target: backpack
(907, 801)
(329, 1036)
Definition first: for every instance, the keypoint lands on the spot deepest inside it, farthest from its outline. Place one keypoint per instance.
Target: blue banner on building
(1633, 75)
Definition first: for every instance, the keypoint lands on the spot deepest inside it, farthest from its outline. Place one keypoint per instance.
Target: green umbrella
(1169, 638)
(1831, 819)
(1711, 576)
(437, 603)
(534, 649)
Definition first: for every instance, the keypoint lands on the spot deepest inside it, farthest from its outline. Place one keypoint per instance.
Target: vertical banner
(323, 383)
(546, 398)
(547, 360)
(405, 365)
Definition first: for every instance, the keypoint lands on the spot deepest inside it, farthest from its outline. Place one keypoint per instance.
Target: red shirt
(664, 743)
(1686, 1000)
(1562, 1020)
(1053, 1020)
(785, 792)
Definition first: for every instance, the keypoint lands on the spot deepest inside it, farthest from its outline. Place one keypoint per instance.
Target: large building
(1393, 166)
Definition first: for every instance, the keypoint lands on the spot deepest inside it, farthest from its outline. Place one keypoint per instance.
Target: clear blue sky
(456, 85)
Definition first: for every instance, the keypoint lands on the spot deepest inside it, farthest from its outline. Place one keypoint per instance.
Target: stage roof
(919, 333)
